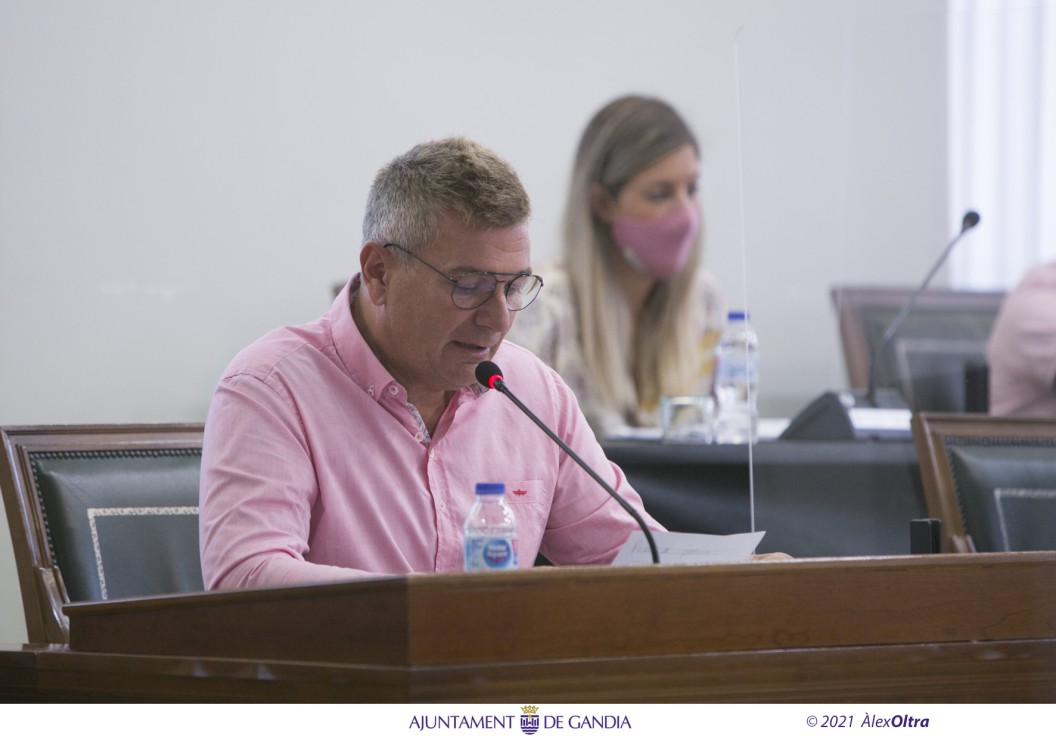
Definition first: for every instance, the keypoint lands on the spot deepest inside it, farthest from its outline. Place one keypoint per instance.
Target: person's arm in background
(1032, 314)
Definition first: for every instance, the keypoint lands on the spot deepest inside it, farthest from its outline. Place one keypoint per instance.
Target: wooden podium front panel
(574, 613)
(363, 623)
(746, 607)
(1003, 672)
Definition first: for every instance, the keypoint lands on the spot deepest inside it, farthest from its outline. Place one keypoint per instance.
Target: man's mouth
(474, 347)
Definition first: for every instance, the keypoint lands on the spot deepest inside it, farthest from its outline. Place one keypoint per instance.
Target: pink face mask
(659, 247)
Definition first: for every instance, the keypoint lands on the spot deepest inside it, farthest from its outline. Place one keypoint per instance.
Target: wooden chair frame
(931, 431)
(40, 580)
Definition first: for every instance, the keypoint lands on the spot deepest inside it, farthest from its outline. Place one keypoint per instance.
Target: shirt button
(419, 437)
(393, 390)
(443, 506)
(370, 390)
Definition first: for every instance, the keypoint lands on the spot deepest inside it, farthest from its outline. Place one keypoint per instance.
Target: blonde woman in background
(627, 315)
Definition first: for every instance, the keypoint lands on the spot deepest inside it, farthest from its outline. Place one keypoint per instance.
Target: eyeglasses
(473, 288)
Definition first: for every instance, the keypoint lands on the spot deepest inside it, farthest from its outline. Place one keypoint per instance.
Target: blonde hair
(625, 137)
(452, 175)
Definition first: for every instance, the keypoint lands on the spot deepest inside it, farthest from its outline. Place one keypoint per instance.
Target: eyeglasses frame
(494, 274)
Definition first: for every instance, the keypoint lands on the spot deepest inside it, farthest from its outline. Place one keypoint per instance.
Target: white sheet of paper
(679, 548)
(867, 418)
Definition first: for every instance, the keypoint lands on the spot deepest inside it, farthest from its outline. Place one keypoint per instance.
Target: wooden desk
(952, 628)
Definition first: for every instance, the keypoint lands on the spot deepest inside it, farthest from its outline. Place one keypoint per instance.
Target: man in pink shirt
(1021, 354)
(350, 446)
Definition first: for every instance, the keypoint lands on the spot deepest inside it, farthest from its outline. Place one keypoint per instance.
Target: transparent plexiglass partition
(849, 199)
(881, 149)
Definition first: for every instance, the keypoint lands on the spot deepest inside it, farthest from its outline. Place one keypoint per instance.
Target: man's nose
(495, 312)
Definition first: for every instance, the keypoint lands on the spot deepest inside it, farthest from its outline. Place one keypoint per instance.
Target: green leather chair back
(122, 523)
(1007, 491)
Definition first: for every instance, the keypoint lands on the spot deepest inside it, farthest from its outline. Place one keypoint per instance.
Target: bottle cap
(732, 316)
(488, 489)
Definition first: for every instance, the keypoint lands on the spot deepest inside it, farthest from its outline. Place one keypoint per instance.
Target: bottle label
(491, 553)
(736, 366)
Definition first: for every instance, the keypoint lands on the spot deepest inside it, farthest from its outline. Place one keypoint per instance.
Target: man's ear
(376, 266)
(602, 203)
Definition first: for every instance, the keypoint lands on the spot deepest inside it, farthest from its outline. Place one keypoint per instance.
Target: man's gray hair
(453, 175)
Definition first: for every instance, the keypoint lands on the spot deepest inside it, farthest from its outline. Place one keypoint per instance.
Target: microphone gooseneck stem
(500, 385)
(971, 219)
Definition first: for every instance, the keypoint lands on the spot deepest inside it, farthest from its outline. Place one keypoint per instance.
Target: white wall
(179, 176)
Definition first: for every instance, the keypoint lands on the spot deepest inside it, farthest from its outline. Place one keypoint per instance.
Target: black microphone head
(487, 373)
(971, 219)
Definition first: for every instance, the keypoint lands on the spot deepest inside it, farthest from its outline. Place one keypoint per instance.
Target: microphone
(970, 220)
(844, 415)
(489, 374)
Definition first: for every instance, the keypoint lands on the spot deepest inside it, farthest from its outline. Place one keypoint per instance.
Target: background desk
(812, 498)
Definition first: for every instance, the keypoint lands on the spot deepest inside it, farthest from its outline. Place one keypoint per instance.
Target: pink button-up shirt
(315, 467)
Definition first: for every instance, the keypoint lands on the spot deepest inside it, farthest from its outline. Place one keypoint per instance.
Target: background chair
(937, 360)
(992, 481)
(100, 512)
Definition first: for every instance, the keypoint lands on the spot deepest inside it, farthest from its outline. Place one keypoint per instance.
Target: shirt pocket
(530, 501)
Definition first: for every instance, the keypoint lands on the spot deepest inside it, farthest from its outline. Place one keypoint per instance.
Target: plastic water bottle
(737, 382)
(491, 531)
